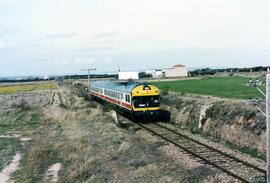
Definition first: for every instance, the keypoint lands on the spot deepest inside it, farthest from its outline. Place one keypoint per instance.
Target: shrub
(83, 93)
(23, 105)
(107, 107)
(249, 115)
(165, 90)
(61, 101)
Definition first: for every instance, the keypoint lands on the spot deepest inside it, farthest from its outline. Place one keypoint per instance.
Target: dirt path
(14, 165)
(8, 170)
(52, 172)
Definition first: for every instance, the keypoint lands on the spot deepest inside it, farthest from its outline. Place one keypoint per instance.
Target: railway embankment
(234, 123)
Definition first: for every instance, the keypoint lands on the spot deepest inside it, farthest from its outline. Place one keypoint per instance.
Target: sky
(50, 37)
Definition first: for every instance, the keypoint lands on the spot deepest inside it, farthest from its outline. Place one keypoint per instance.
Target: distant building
(156, 73)
(45, 77)
(178, 70)
(127, 75)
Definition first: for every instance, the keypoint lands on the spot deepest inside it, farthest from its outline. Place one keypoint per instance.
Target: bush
(204, 71)
(92, 105)
(108, 107)
(61, 101)
(249, 115)
(165, 90)
(23, 105)
(83, 93)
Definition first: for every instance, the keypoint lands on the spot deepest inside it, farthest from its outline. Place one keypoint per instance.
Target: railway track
(240, 170)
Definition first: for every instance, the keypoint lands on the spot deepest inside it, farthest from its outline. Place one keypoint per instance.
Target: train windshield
(146, 101)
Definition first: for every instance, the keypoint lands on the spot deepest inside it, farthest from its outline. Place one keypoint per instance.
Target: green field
(27, 87)
(227, 87)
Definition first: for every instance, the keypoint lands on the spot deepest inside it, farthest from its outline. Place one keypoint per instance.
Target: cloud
(75, 61)
(20, 46)
(2, 45)
(123, 31)
(84, 61)
(106, 34)
(92, 50)
(138, 38)
(107, 60)
(60, 35)
(6, 32)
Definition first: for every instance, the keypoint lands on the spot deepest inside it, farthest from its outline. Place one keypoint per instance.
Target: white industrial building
(128, 75)
(156, 73)
(178, 70)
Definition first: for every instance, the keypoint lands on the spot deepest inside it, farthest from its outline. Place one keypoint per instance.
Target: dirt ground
(63, 138)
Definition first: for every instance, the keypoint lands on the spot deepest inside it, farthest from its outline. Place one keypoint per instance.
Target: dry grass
(27, 87)
(91, 148)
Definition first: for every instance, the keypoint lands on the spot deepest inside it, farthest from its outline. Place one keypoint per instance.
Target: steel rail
(213, 149)
(195, 154)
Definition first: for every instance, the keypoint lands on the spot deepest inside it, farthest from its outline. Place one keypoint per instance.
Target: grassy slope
(26, 87)
(91, 148)
(228, 87)
(10, 121)
(18, 120)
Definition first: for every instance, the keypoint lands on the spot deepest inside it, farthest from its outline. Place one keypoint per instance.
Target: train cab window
(146, 101)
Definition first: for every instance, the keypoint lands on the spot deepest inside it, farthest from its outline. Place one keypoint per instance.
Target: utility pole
(88, 70)
(268, 124)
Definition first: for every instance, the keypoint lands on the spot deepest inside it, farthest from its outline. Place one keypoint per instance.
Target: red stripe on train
(112, 100)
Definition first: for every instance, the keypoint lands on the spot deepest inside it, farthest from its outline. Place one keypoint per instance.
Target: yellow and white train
(140, 100)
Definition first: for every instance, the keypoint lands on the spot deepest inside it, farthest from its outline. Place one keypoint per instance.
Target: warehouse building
(128, 75)
(156, 73)
(178, 70)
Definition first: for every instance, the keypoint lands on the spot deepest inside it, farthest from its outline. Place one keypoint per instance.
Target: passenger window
(128, 98)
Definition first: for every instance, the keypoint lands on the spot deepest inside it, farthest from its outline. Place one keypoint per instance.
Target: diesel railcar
(139, 100)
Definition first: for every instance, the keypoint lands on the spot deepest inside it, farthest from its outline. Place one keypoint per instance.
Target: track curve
(233, 166)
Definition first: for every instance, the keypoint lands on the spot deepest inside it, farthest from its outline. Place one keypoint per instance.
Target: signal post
(268, 124)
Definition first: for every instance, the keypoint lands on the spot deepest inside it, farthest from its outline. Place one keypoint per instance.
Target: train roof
(126, 87)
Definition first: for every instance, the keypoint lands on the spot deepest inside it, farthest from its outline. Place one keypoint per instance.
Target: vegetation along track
(240, 170)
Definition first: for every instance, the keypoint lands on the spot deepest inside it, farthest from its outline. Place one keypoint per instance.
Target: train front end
(145, 102)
